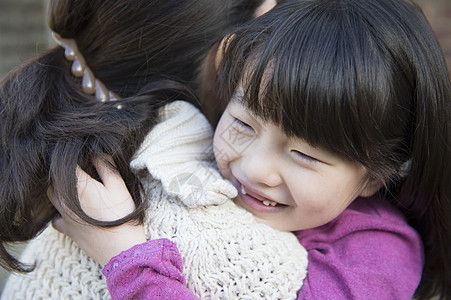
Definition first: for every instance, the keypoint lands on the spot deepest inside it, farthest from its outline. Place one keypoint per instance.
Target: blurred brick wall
(23, 31)
(438, 13)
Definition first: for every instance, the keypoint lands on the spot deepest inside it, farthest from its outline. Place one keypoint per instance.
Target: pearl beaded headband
(90, 84)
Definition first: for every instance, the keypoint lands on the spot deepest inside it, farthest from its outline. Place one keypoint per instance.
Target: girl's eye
(242, 126)
(304, 157)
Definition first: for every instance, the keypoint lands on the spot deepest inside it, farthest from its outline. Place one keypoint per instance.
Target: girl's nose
(261, 167)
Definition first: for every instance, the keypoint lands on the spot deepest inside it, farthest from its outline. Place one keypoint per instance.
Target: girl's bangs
(321, 82)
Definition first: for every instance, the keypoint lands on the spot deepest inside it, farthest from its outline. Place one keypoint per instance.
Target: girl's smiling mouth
(255, 200)
(265, 202)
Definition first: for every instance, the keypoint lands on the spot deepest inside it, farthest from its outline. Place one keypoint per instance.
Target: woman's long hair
(147, 52)
(368, 81)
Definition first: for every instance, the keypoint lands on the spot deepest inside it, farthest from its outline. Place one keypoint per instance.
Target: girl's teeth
(267, 203)
(243, 191)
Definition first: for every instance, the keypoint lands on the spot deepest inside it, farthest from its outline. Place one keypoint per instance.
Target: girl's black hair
(366, 80)
(147, 52)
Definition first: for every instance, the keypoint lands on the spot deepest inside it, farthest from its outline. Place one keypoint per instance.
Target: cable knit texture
(226, 254)
(63, 271)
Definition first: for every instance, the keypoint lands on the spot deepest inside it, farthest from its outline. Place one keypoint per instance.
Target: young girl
(338, 128)
(65, 115)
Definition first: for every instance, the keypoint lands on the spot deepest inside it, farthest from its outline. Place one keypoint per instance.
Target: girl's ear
(371, 187)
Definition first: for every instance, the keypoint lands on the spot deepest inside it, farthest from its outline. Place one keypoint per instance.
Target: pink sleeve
(152, 270)
(369, 252)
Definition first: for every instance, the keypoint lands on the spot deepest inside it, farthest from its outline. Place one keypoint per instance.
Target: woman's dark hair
(366, 80)
(147, 52)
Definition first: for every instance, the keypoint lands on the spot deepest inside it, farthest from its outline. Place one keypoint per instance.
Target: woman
(146, 53)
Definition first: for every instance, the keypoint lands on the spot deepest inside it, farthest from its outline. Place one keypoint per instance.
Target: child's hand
(105, 201)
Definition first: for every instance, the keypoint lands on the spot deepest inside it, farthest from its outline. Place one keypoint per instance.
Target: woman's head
(128, 44)
(365, 80)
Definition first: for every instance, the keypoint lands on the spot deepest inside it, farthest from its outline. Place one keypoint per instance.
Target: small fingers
(83, 178)
(109, 176)
(112, 180)
(108, 200)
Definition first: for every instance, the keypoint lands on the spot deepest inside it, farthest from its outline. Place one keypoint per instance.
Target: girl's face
(283, 181)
